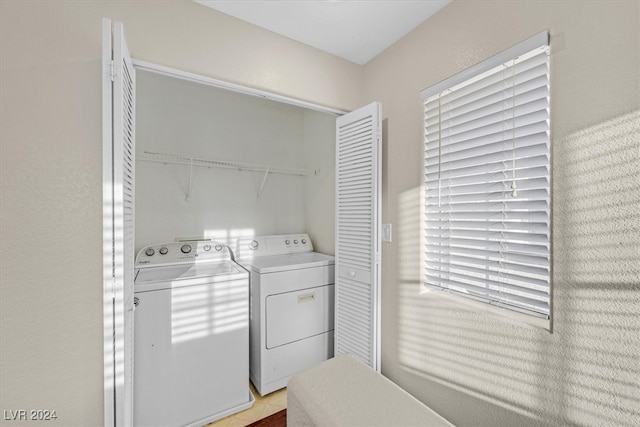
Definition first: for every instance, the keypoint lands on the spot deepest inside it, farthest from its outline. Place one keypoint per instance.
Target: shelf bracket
(264, 180)
(188, 198)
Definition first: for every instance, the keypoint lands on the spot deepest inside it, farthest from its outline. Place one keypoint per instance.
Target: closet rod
(149, 156)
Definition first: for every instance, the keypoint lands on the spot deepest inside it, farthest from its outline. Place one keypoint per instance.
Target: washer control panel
(182, 253)
(279, 244)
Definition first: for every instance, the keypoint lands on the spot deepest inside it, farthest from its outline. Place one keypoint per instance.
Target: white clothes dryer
(191, 335)
(291, 303)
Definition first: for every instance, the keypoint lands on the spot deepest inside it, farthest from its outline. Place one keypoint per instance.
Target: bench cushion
(345, 392)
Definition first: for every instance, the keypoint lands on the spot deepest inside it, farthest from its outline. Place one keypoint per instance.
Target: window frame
(539, 41)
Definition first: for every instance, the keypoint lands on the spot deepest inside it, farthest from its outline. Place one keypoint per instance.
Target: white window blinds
(487, 181)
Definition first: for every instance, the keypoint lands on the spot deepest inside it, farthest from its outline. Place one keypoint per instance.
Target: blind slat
(487, 183)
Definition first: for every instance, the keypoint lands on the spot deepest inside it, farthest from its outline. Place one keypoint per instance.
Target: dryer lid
(277, 263)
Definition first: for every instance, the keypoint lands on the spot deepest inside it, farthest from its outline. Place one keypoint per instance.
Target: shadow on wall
(587, 371)
(228, 237)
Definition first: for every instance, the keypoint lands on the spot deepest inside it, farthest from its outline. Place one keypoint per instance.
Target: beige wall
(446, 354)
(51, 170)
(477, 368)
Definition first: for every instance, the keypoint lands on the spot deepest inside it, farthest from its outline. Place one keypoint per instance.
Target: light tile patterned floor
(263, 407)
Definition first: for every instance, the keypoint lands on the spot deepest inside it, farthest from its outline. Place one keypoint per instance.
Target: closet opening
(218, 161)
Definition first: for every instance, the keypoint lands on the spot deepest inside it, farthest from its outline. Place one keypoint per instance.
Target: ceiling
(356, 30)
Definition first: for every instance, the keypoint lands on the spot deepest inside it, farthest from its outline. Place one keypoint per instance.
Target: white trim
(123, 111)
(525, 46)
(107, 229)
(196, 78)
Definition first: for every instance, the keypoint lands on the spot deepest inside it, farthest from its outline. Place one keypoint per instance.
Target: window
(487, 181)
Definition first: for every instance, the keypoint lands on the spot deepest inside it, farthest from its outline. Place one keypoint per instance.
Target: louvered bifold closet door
(123, 183)
(487, 185)
(357, 322)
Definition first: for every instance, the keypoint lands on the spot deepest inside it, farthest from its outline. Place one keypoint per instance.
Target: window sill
(504, 313)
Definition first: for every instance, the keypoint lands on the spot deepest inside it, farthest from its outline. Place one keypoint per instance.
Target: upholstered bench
(345, 392)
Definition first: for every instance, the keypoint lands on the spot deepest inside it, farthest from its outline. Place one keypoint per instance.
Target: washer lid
(185, 271)
(277, 263)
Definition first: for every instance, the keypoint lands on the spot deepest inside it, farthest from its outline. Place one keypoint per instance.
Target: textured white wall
(192, 120)
(51, 170)
(320, 152)
(478, 368)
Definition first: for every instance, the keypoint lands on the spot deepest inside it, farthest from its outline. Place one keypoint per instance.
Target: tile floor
(263, 407)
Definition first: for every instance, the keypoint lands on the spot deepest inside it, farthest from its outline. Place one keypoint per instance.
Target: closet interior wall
(193, 120)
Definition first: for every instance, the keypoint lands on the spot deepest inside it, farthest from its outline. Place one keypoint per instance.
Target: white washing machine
(292, 300)
(191, 345)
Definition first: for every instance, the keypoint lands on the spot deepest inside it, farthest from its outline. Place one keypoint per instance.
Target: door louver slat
(119, 118)
(357, 234)
(354, 317)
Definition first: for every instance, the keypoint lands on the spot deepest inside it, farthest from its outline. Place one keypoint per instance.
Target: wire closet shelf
(149, 156)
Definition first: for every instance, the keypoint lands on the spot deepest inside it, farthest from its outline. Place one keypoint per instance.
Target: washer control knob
(253, 244)
(149, 252)
(218, 248)
(185, 249)
(295, 242)
(286, 242)
(304, 241)
(163, 250)
(207, 248)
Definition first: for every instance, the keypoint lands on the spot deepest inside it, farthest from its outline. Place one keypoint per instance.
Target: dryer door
(293, 316)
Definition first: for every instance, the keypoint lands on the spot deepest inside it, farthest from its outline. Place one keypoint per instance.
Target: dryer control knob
(185, 249)
(208, 248)
(304, 241)
(253, 244)
(218, 248)
(286, 242)
(295, 242)
(163, 250)
(149, 252)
